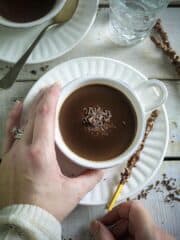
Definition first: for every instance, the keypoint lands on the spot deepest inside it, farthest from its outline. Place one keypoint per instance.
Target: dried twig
(160, 39)
(134, 159)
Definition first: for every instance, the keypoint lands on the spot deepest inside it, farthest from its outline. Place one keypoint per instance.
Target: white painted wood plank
(167, 217)
(29, 72)
(104, 1)
(173, 110)
(144, 56)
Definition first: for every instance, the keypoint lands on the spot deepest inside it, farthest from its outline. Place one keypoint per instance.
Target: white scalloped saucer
(155, 147)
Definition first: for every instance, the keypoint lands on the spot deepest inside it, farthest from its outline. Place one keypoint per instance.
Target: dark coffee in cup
(98, 122)
(21, 11)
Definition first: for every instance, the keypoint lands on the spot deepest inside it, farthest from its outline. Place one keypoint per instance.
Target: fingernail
(94, 228)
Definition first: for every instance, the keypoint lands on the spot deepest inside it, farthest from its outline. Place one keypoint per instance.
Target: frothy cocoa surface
(98, 122)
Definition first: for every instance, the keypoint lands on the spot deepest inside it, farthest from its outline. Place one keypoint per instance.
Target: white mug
(140, 108)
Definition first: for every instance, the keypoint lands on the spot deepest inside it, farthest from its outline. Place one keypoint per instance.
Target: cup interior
(58, 5)
(128, 92)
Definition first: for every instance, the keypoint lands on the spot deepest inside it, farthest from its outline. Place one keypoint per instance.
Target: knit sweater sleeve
(27, 222)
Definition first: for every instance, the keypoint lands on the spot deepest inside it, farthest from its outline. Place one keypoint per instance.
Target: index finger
(119, 212)
(45, 116)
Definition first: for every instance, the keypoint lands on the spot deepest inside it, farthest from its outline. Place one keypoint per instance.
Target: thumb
(100, 232)
(87, 181)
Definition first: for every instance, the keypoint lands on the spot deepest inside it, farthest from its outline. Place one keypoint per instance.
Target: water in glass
(132, 20)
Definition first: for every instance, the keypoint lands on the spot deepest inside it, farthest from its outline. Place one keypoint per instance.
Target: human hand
(29, 173)
(128, 221)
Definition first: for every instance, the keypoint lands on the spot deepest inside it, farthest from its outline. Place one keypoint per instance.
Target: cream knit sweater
(26, 222)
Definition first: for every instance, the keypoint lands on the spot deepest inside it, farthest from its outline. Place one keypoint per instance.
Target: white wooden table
(146, 58)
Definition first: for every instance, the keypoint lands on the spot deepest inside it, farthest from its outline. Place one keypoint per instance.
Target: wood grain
(143, 56)
(166, 216)
(173, 110)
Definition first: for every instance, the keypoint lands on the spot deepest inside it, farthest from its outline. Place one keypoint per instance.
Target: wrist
(31, 220)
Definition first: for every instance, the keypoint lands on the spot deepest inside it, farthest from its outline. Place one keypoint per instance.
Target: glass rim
(163, 5)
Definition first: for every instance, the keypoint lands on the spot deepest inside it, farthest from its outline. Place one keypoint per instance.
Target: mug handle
(162, 93)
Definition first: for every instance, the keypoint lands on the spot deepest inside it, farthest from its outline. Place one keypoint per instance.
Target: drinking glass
(132, 20)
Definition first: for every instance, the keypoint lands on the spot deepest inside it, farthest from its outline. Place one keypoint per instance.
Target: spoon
(62, 17)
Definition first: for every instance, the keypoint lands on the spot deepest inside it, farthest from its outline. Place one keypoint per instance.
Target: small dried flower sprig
(160, 38)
